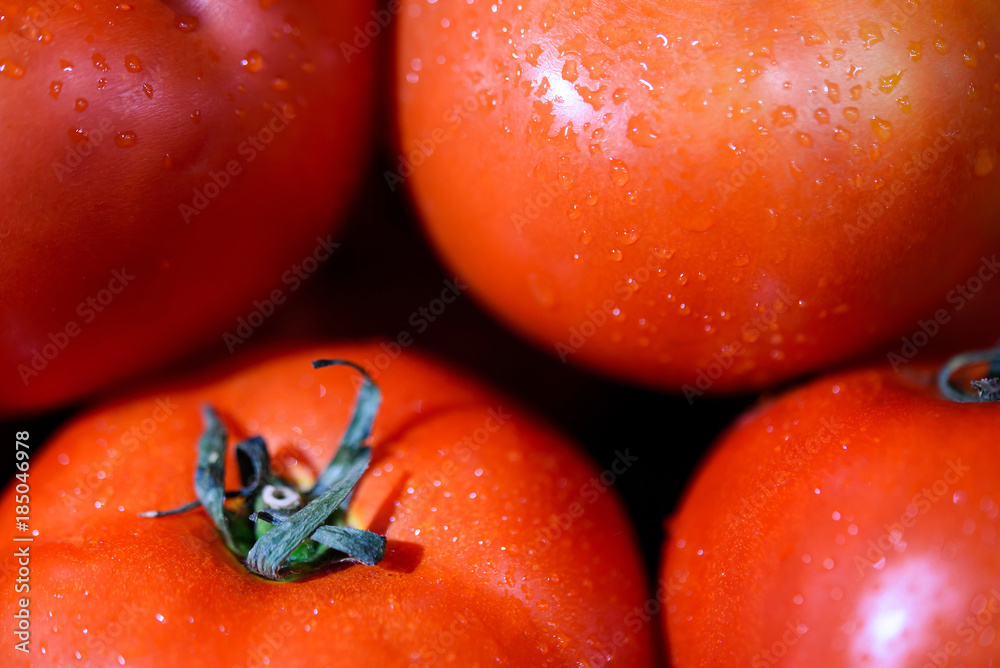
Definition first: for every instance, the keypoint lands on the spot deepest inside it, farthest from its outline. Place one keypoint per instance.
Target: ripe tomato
(694, 195)
(852, 522)
(465, 488)
(165, 164)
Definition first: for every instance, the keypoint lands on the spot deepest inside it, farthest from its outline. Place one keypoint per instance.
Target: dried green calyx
(280, 531)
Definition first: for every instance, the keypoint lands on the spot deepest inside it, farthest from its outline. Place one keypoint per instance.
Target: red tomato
(499, 547)
(852, 522)
(164, 165)
(701, 196)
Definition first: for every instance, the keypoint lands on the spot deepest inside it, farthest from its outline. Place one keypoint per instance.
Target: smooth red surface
(73, 214)
(649, 187)
(469, 578)
(852, 522)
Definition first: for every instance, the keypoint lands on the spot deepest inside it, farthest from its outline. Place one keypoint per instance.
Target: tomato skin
(660, 189)
(466, 577)
(775, 556)
(115, 257)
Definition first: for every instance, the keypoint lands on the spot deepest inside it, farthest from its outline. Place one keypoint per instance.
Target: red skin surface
(553, 201)
(787, 525)
(466, 580)
(73, 216)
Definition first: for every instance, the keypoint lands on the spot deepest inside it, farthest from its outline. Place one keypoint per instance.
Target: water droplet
(783, 116)
(805, 140)
(856, 92)
(915, 49)
(832, 91)
(841, 135)
(10, 69)
(80, 104)
(186, 23)
(616, 255)
(132, 63)
(887, 83)
(851, 114)
(620, 95)
(565, 180)
(148, 90)
(586, 237)
(741, 261)
(574, 212)
(99, 62)
(812, 35)
(870, 33)
(532, 54)
(822, 116)
(641, 131)
(54, 89)
(627, 236)
(882, 129)
(838, 53)
(969, 59)
(941, 45)
(77, 135)
(591, 199)
(569, 72)
(904, 104)
(125, 139)
(619, 173)
(254, 61)
(279, 84)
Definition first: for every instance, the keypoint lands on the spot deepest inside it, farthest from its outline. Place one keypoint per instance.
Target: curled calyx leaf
(985, 363)
(279, 530)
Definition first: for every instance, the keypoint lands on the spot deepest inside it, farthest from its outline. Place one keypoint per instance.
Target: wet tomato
(852, 522)
(165, 164)
(499, 545)
(703, 196)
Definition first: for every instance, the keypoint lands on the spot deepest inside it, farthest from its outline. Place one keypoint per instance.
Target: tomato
(696, 196)
(499, 547)
(166, 164)
(852, 522)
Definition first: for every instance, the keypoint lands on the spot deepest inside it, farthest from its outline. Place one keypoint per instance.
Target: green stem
(986, 389)
(282, 532)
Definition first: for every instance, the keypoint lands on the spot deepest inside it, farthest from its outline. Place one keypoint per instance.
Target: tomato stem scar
(282, 532)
